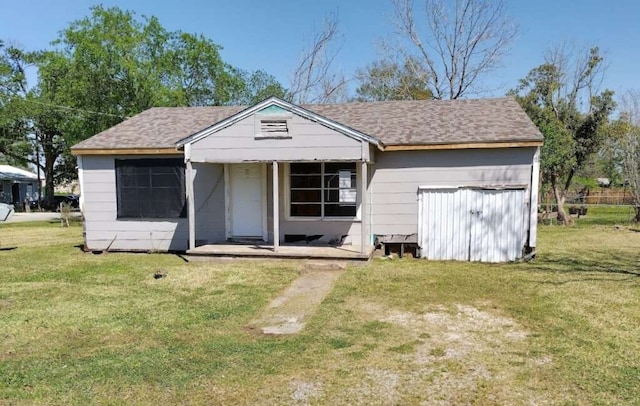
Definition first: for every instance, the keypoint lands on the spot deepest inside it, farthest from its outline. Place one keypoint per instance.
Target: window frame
(322, 189)
(165, 161)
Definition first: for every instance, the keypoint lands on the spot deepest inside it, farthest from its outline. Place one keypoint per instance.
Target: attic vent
(273, 128)
(269, 126)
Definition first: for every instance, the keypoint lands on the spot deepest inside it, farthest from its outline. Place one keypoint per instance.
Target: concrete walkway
(289, 312)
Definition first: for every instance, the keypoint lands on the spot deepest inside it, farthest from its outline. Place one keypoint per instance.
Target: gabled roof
(392, 123)
(274, 101)
(8, 172)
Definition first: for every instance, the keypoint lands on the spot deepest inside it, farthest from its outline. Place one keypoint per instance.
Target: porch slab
(284, 251)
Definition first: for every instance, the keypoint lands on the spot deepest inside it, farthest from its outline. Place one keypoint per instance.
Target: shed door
(476, 225)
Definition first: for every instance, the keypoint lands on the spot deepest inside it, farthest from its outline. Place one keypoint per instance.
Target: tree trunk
(560, 195)
(50, 154)
(48, 183)
(636, 219)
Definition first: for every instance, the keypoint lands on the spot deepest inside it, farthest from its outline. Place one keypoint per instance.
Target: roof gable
(278, 106)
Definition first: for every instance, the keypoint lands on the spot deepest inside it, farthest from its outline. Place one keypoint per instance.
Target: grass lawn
(80, 328)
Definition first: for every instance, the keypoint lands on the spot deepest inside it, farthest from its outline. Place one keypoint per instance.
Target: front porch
(348, 252)
(278, 175)
(256, 210)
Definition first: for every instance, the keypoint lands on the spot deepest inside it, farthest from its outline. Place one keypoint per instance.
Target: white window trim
(287, 198)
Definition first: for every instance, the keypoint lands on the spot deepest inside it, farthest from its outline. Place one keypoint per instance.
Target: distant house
(457, 178)
(16, 185)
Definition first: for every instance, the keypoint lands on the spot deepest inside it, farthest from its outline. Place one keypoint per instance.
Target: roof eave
(463, 145)
(125, 151)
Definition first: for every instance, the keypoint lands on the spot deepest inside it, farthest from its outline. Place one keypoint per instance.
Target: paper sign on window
(345, 179)
(347, 193)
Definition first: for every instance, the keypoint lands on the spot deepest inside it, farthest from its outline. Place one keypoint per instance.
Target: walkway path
(289, 312)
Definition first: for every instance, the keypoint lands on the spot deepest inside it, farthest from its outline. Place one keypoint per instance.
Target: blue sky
(270, 35)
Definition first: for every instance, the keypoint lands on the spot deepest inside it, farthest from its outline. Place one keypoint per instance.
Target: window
(150, 188)
(323, 189)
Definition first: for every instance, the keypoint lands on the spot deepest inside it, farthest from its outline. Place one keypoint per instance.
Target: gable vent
(273, 127)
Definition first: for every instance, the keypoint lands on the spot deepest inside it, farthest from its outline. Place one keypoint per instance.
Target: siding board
(308, 141)
(100, 211)
(396, 177)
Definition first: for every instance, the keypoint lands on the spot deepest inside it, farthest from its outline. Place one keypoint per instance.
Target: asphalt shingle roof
(393, 123)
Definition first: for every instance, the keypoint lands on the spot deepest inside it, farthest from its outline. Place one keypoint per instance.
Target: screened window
(323, 189)
(150, 188)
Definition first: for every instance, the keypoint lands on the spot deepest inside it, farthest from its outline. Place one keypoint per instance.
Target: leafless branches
(314, 80)
(456, 41)
(629, 145)
(580, 71)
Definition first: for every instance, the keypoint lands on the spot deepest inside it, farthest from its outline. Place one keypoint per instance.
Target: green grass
(80, 328)
(607, 215)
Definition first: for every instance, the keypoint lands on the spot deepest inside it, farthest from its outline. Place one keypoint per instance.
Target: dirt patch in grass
(455, 333)
(446, 354)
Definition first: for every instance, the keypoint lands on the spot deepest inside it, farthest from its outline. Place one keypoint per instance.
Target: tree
(314, 80)
(389, 80)
(456, 42)
(561, 98)
(104, 68)
(260, 85)
(628, 145)
(14, 124)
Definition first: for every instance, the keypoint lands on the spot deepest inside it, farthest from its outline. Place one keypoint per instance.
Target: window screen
(323, 189)
(150, 188)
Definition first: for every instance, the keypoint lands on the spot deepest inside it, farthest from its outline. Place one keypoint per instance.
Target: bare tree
(457, 42)
(629, 146)
(314, 80)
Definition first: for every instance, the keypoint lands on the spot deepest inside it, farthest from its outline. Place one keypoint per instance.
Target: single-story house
(16, 185)
(457, 178)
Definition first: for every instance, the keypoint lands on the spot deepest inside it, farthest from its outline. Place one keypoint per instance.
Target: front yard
(81, 328)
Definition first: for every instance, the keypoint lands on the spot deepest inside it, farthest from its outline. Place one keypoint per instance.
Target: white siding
(396, 177)
(308, 141)
(209, 202)
(103, 229)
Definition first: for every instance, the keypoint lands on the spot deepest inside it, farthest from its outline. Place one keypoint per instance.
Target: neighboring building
(458, 178)
(16, 185)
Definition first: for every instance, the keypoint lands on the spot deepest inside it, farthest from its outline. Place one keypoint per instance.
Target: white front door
(247, 190)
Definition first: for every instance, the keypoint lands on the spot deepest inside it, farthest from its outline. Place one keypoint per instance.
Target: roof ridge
(354, 102)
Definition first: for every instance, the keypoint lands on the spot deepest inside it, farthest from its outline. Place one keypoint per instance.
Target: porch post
(191, 205)
(364, 211)
(276, 209)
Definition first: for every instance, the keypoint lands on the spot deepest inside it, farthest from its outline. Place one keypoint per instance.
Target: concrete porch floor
(284, 251)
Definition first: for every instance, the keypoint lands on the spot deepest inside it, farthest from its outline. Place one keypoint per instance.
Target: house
(16, 185)
(457, 178)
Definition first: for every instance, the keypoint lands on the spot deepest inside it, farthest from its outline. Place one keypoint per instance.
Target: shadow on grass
(598, 262)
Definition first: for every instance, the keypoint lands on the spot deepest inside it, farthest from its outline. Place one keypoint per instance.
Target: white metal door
(498, 225)
(466, 224)
(443, 232)
(246, 202)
